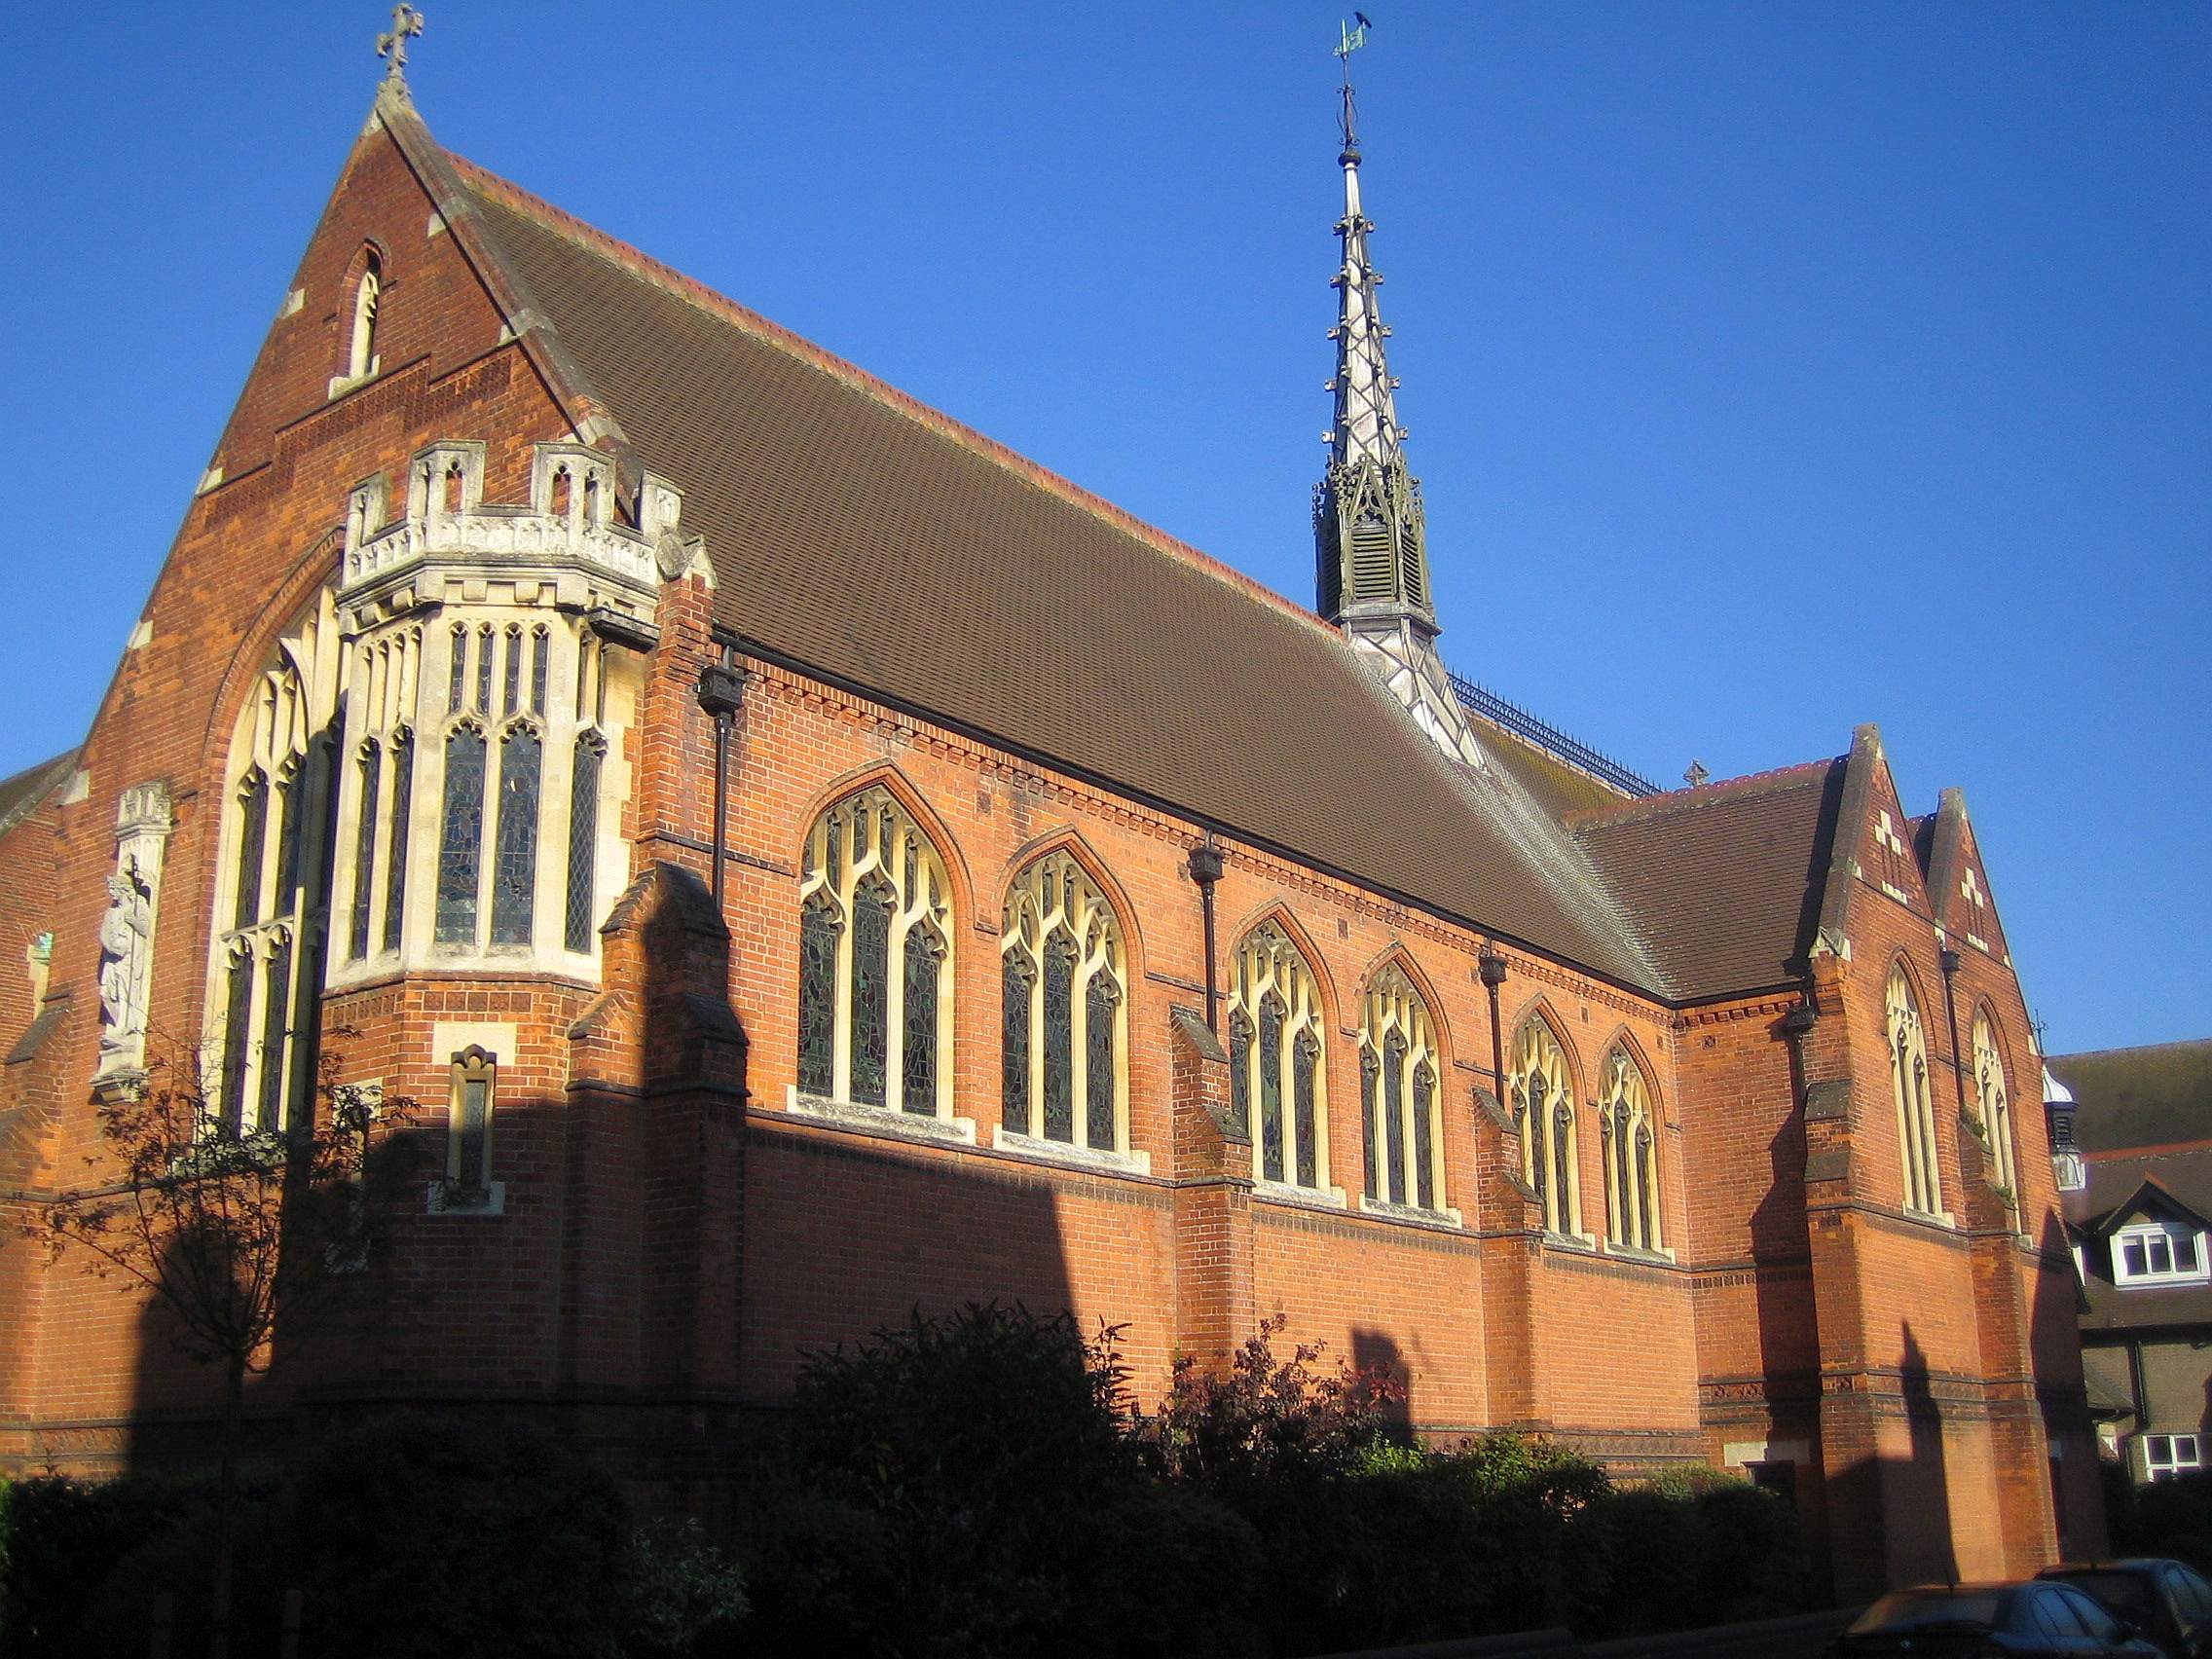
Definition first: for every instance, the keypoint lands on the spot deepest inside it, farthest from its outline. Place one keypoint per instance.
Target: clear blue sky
(1770, 368)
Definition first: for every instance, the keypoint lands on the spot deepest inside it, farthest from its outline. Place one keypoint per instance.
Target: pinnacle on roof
(1369, 535)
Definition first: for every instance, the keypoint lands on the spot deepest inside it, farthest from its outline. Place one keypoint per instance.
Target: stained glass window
(1394, 1114)
(818, 930)
(288, 791)
(872, 908)
(484, 643)
(365, 847)
(1624, 1109)
(1398, 1044)
(275, 999)
(1272, 1013)
(457, 683)
(917, 1078)
(1098, 1059)
(583, 842)
(1370, 1073)
(1014, 982)
(1306, 1055)
(875, 946)
(1995, 1101)
(461, 837)
(395, 844)
(1059, 1038)
(1547, 1137)
(1240, 1071)
(1276, 1046)
(1909, 1082)
(541, 648)
(253, 824)
(1425, 1165)
(511, 688)
(514, 873)
(1061, 940)
(238, 1009)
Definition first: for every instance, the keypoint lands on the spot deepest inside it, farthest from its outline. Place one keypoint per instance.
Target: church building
(810, 864)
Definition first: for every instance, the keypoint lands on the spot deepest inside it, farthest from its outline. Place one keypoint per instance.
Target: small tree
(239, 1237)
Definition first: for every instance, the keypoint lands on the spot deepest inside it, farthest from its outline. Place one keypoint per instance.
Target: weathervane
(406, 23)
(1350, 40)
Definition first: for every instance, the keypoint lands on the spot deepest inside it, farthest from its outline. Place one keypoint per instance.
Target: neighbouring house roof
(20, 795)
(868, 540)
(2125, 1098)
(2120, 1189)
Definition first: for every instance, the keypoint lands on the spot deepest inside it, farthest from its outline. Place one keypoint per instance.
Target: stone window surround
(1391, 1006)
(449, 561)
(1054, 896)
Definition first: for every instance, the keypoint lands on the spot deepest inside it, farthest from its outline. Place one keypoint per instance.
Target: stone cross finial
(406, 23)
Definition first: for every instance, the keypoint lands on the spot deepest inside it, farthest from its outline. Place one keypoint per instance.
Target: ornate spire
(1368, 529)
(1370, 541)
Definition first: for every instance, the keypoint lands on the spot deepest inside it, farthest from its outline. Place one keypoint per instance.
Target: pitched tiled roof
(1723, 882)
(2160, 1095)
(869, 541)
(22, 793)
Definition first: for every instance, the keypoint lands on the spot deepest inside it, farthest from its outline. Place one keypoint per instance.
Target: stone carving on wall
(126, 932)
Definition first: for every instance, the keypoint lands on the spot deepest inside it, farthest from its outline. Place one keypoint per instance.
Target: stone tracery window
(265, 969)
(1400, 1111)
(1064, 1015)
(1278, 1085)
(1629, 1130)
(1909, 1089)
(368, 298)
(1543, 1109)
(1996, 1103)
(875, 960)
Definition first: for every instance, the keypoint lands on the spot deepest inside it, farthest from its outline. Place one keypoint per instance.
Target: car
(2034, 1620)
(2167, 1601)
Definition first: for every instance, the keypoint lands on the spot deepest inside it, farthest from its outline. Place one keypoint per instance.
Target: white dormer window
(2156, 1252)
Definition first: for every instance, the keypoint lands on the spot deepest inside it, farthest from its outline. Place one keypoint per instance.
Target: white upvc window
(2165, 1456)
(2156, 1252)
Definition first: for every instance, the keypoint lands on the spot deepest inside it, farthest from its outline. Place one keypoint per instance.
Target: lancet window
(1279, 1089)
(1915, 1106)
(875, 960)
(1996, 1104)
(265, 972)
(1543, 1109)
(368, 297)
(1400, 1108)
(1065, 1064)
(1629, 1130)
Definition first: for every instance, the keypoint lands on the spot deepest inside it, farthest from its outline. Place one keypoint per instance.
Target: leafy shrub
(61, 1537)
(419, 1536)
(969, 1485)
(1695, 1547)
(2170, 1516)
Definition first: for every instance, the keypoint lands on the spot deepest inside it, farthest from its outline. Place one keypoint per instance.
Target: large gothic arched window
(273, 902)
(1065, 1009)
(1909, 1086)
(1629, 1128)
(1996, 1103)
(1278, 1087)
(875, 961)
(1543, 1109)
(1400, 1109)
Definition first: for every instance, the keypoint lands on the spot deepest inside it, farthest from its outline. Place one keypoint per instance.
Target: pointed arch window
(1064, 991)
(1996, 1103)
(368, 300)
(1628, 1132)
(395, 846)
(371, 762)
(1915, 1105)
(1398, 1067)
(583, 840)
(875, 961)
(271, 907)
(514, 873)
(1279, 1083)
(1543, 1109)
(460, 839)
